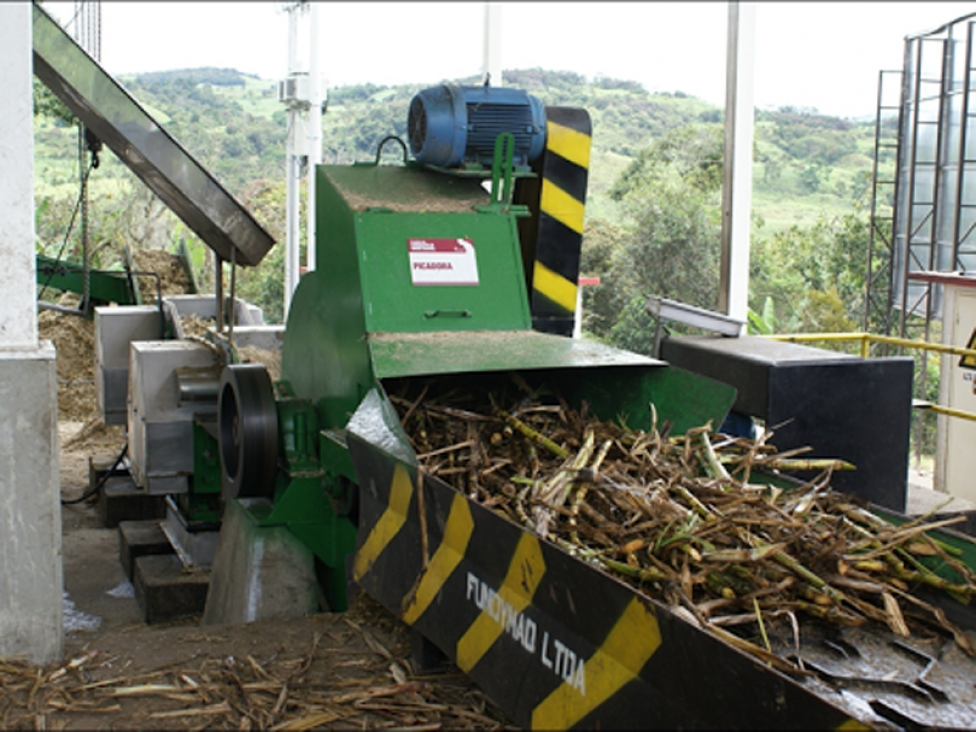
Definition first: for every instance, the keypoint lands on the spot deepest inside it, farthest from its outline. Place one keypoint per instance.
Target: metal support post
(492, 64)
(737, 185)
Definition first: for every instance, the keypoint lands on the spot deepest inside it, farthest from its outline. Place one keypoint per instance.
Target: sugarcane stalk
(583, 487)
(650, 510)
(414, 405)
(448, 449)
(642, 574)
(827, 612)
(710, 462)
(762, 626)
(933, 580)
(762, 460)
(697, 505)
(579, 462)
(689, 441)
(520, 507)
(818, 464)
(794, 566)
(533, 435)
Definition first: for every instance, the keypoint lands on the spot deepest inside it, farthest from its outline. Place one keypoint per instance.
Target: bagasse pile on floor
(337, 671)
(74, 342)
(682, 518)
(74, 336)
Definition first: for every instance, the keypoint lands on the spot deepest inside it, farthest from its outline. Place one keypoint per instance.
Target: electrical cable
(101, 481)
(71, 225)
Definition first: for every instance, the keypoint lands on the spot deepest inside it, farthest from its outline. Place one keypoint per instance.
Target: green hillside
(808, 167)
(805, 164)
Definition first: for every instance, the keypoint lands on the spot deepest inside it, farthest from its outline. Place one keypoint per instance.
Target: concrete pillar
(30, 509)
(18, 306)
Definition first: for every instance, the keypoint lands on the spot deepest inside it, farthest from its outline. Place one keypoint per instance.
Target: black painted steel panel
(842, 406)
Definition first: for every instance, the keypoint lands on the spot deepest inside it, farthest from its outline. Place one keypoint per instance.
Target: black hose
(71, 224)
(101, 481)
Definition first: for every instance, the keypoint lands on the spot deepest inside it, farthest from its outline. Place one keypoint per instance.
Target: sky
(821, 55)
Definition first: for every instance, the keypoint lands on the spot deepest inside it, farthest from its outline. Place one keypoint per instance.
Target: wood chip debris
(173, 279)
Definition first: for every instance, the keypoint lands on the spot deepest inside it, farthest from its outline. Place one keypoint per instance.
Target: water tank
(451, 125)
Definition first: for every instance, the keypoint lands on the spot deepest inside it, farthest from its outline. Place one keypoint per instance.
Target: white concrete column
(31, 603)
(737, 184)
(18, 306)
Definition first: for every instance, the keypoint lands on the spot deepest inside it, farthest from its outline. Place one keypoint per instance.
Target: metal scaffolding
(923, 208)
(923, 212)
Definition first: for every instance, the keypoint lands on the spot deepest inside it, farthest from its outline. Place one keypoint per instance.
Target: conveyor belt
(142, 144)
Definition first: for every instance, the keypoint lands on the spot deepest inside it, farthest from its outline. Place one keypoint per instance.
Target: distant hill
(805, 163)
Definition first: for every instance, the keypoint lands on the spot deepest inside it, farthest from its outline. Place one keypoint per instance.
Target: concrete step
(99, 465)
(139, 539)
(121, 500)
(166, 591)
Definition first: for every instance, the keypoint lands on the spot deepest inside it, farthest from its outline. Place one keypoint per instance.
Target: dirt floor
(330, 671)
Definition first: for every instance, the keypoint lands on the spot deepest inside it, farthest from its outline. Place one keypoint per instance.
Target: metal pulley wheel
(247, 423)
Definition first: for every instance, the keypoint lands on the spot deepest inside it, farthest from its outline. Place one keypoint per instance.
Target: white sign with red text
(442, 262)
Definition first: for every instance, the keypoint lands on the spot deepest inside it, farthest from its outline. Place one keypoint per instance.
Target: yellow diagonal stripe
(388, 525)
(518, 588)
(457, 534)
(554, 286)
(561, 206)
(851, 725)
(631, 642)
(568, 143)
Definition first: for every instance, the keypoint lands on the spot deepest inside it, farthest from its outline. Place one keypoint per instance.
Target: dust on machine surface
(450, 278)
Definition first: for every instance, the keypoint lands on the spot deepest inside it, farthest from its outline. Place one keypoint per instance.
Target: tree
(668, 242)
(48, 105)
(810, 179)
(600, 304)
(813, 277)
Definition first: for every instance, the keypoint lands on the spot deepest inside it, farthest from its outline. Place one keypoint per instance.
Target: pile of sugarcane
(690, 520)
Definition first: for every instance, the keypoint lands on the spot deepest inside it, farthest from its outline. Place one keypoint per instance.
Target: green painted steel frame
(358, 318)
(306, 508)
(103, 286)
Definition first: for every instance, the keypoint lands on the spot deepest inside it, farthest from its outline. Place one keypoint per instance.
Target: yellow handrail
(866, 339)
(950, 411)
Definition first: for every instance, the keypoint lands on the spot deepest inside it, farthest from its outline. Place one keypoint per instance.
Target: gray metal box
(115, 329)
(205, 307)
(160, 424)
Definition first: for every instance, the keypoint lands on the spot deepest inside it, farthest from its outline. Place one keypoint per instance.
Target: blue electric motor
(451, 125)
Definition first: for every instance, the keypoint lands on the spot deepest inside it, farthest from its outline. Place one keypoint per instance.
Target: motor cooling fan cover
(450, 125)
